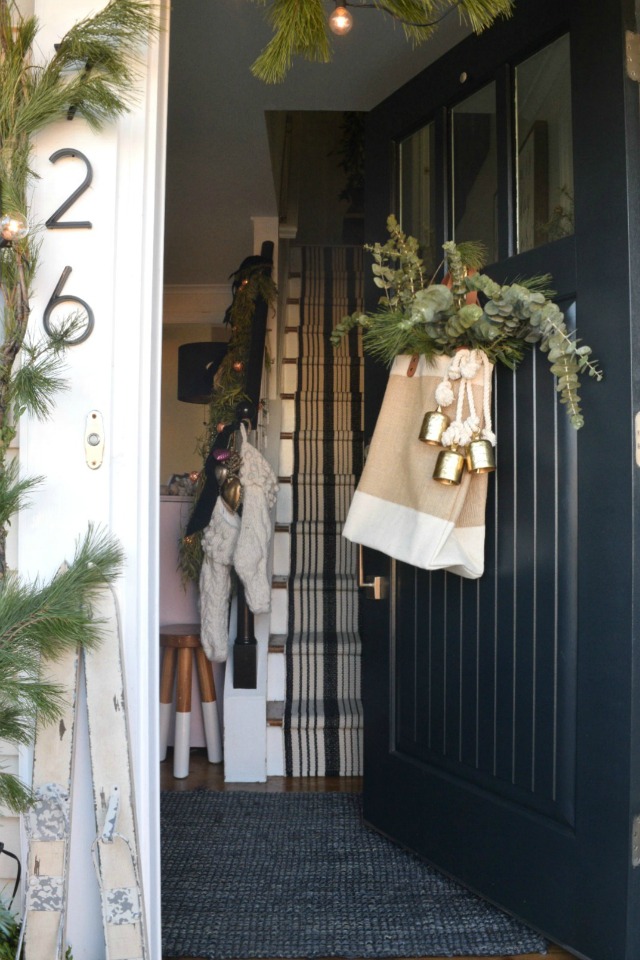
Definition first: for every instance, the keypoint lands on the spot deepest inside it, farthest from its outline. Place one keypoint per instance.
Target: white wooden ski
(48, 823)
(115, 848)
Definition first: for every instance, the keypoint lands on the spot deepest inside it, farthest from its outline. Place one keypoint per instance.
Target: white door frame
(118, 269)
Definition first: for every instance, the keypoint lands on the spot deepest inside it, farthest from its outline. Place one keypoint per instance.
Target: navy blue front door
(502, 736)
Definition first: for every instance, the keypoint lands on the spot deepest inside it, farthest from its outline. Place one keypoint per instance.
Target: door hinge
(635, 842)
(632, 44)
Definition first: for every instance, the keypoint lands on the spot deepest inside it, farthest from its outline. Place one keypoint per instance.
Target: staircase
(315, 713)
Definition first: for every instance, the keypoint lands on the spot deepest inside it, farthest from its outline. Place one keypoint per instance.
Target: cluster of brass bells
(226, 471)
(477, 457)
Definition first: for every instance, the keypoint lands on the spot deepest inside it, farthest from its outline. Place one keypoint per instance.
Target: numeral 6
(58, 297)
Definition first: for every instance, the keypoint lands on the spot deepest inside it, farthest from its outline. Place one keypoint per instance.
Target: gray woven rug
(298, 875)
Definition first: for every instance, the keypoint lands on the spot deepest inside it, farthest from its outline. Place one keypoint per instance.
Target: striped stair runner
(323, 710)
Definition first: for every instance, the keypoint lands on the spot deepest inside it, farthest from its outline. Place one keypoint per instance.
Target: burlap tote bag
(398, 508)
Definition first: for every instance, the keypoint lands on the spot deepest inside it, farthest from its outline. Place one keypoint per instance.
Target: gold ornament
(231, 493)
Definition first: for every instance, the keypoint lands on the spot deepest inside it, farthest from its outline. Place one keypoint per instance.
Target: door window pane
(417, 191)
(545, 156)
(475, 170)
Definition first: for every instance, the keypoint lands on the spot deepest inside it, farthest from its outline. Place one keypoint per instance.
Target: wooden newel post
(245, 649)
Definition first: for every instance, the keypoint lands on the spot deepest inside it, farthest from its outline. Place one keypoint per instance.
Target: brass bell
(480, 458)
(449, 466)
(231, 493)
(433, 426)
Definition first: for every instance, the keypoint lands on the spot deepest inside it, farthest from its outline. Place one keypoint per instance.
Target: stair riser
(348, 416)
(339, 679)
(341, 457)
(314, 343)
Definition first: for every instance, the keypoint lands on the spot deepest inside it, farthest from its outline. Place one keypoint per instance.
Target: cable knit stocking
(259, 488)
(218, 543)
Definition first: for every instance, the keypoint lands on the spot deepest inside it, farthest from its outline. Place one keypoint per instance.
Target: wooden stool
(178, 641)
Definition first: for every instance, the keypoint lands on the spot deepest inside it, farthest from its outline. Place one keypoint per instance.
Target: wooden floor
(209, 776)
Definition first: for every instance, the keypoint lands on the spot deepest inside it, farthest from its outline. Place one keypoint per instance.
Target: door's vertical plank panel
(507, 593)
(406, 657)
(438, 663)
(424, 642)
(487, 625)
(469, 672)
(525, 574)
(452, 654)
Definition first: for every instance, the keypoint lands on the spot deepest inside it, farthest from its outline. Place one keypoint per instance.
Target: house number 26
(55, 223)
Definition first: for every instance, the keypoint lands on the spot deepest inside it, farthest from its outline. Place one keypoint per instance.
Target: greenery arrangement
(250, 284)
(90, 74)
(419, 316)
(300, 29)
(10, 935)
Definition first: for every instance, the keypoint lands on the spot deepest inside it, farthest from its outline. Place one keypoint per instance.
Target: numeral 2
(54, 222)
(59, 297)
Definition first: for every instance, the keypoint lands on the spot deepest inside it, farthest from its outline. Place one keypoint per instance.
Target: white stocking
(218, 543)
(259, 488)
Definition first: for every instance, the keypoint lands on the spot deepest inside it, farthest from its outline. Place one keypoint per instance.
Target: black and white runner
(323, 710)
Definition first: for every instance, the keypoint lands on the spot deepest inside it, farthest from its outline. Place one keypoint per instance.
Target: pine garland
(38, 623)
(251, 285)
(301, 29)
(93, 74)
(417, 316)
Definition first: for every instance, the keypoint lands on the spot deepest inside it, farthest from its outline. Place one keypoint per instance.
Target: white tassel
(444, 394)
(487, 432)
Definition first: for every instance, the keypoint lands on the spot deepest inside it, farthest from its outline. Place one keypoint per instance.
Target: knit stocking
(218, 543)
(259, 488)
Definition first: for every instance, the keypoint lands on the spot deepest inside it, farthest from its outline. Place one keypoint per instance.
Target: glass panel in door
(417, 191)
(545, 154)
(475, 170)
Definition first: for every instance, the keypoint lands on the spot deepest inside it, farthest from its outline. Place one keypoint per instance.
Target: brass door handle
(379, 585)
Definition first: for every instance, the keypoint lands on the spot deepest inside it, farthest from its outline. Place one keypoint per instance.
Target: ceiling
(218, 164)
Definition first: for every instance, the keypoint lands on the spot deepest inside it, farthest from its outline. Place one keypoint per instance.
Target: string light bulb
(340, 21)
(13, 226)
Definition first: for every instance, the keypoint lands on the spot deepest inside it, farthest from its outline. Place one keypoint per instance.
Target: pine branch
(13, 491)
(300, 28)
(14, 795)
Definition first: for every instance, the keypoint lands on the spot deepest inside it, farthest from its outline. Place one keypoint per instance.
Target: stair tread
(342, 716)
(275, 713)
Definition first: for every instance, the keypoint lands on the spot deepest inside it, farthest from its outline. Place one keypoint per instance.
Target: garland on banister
(467, 310)
(251, 283)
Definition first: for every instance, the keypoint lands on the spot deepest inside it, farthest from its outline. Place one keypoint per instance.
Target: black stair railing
(245, 648)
